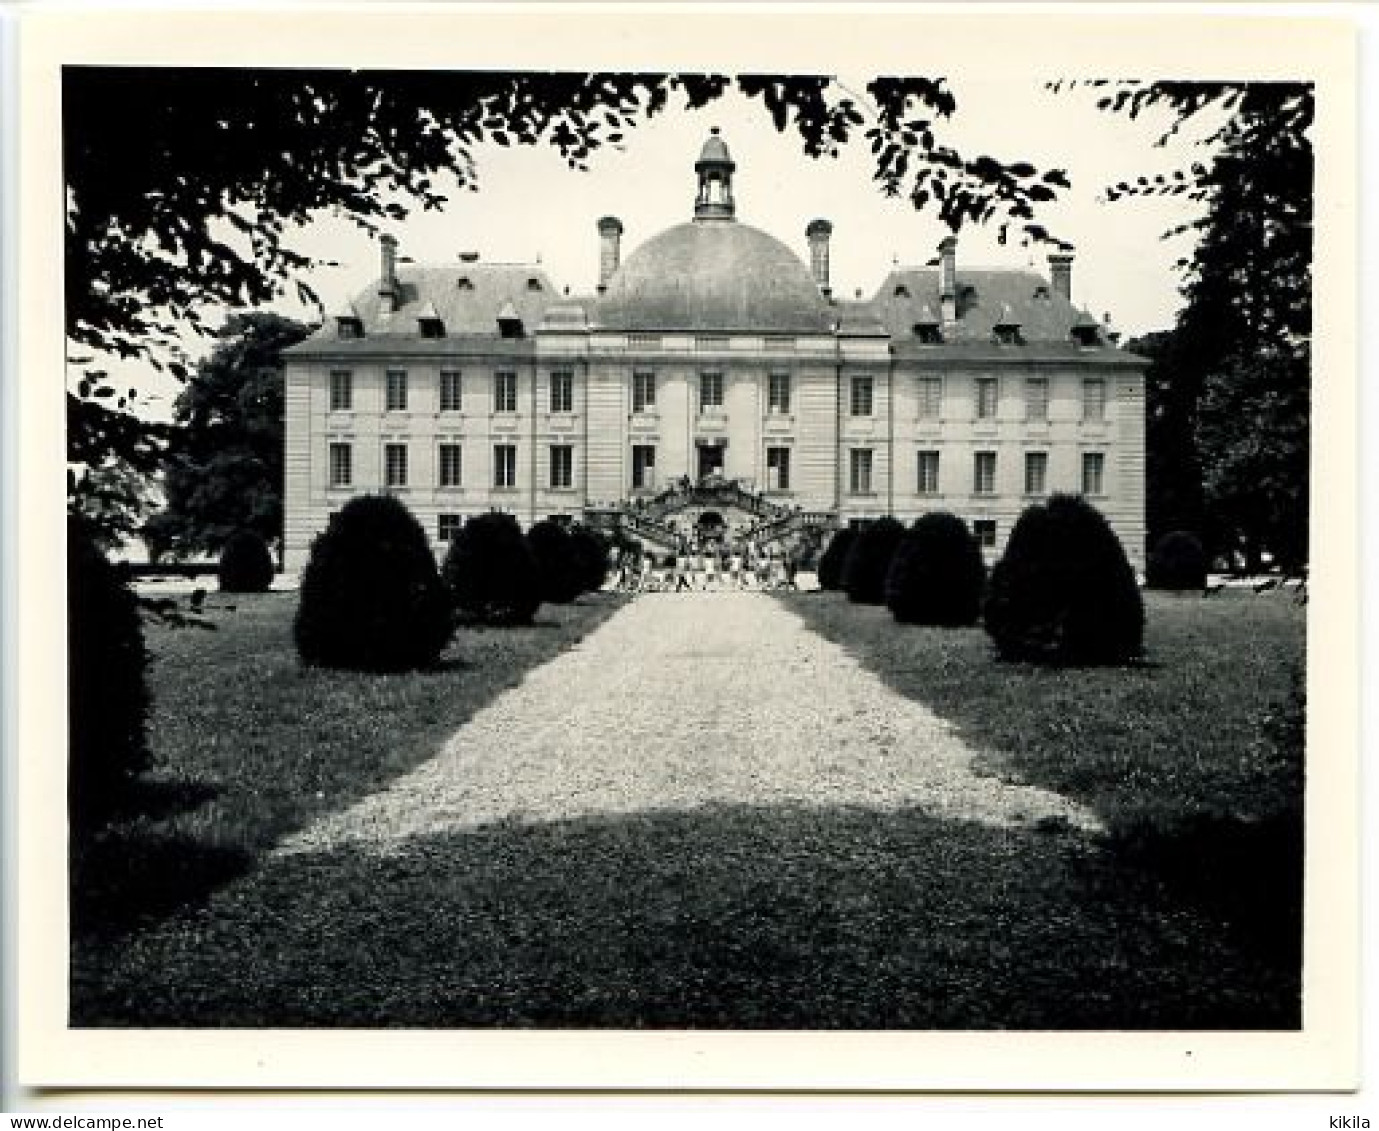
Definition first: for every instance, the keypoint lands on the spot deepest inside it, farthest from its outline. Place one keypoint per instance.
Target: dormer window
(1007, 330)
(902, 291)
(1041, 292)
(429, 323)
(509, 321)
(929, 333)
(533, 284)
(1086, 333)
(349, 326)
(465, 283)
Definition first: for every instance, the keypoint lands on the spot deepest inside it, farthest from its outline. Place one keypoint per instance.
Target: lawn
(249, 745)
(1173, 754)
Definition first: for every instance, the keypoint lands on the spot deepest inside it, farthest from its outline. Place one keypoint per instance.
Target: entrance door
(710, 460)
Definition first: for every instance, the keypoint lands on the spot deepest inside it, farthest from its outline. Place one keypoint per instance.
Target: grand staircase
(646, 518)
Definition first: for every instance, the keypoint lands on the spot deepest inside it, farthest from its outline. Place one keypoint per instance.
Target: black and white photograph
(696, 540)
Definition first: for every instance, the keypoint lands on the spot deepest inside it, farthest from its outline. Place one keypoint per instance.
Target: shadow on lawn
(721, 917)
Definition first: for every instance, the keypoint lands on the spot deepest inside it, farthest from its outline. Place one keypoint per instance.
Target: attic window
(929, 333)
(533, 284)
(1041, 292)
(902, 291)
(431, 327)
(349, 327)
(465, 283)
(1086, 335)
(1007, 334)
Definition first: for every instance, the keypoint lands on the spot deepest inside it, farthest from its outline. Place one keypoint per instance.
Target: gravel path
(683, 700)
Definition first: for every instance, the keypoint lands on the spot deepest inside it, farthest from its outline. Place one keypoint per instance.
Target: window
(778, 469)
(778, 394)
(1036, 472)
(710, 391)
(562, 391)
(1093, 473)
(643, 466)
(861, 396)
(930, 397)
(1036, 398)
(341, 465)
(431, 327)
(984, 531)
(927, 482)
(988, 389)
(341, 390)
(504, 391)
(859, 471)
(349, 328)
(451, 465)
(395, 465)
(643, 391)
(447, 526)
(984, 473)
(505, 465)
(451, 392)
(396, 397)
(562, 466)
(1094, 399)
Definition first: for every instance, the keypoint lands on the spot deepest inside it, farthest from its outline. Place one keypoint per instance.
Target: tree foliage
(225, 460)
(556, 566)
(869, 559)
(1230, 388)
(108, 699)
(1177, 561)
(937, 573)
(593, 553)
(371, 596)
(246, 566)
(1064, 592)
(834, 557)
(491, 573)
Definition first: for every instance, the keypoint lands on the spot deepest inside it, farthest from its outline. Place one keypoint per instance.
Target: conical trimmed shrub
(1064, 592)
(246, 564)
(371, 596)
(1177, 561)
(592, 557)
(834, 557)
(869, 559)
(108, 699)
(491, 572)
(556, 565)
(937, 573)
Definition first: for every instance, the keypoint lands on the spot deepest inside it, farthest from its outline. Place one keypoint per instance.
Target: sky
(531, 206)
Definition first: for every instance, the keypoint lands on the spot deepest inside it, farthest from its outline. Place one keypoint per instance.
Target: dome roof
(716, 276)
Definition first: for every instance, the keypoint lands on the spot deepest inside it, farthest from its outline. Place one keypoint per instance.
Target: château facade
(713, 355)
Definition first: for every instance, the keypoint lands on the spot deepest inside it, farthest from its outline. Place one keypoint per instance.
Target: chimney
(1061, 274)
(610, 232)
(818, 233)
(387, 282)
(948, 278)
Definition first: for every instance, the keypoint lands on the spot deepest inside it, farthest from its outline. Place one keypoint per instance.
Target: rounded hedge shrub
(246, 564)
(592, 552)
(556, 565)
(835, 554)
(1178, 561)
(491, 572)
(869, 559)
(1064, 592)
(371, 596)
(937, 573)
(108, 699)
